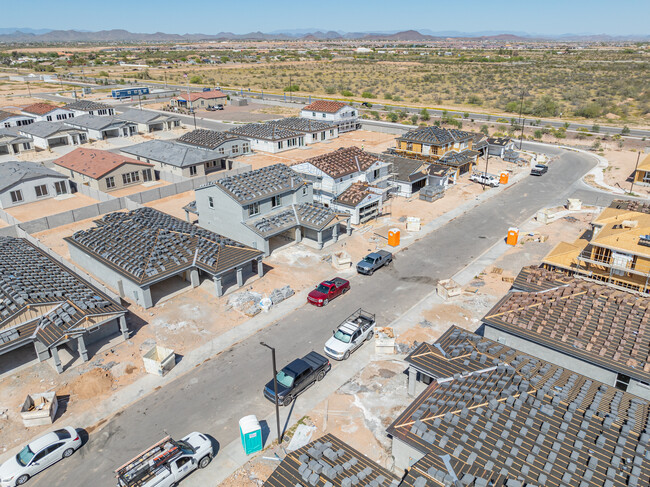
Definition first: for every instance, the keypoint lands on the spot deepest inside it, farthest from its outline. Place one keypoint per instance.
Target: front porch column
(147, 302)
(319, 239)
(260, 267)
(194, 277)
(41, 351)
(298, 234)
(218, 286)
(413, 377)
(57, 360)
(187, 216)
(123, 328)
(348, 227)
(335, 232)
(81, 347)
(240, 276)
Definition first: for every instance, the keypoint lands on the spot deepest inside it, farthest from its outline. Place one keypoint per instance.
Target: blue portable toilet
(251, 434)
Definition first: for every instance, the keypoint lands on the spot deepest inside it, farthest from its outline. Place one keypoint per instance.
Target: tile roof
(312, 215)
(11, 136)
(147, 245)
(343, 161)
(299, 124)
(47, 129)
(533, 279)
(86, 106)
(329, 462)
(145, 116)
(586, 320)
(14, 172)
(457, 159)
(95, 122)
(326, 106)
(41, 299)
(39, 108)
(354, 194)
(95, 163)
(496, 416)
(259, 184)
(435, 135)
(406, 170)
(633, 206)
(265, 131)
(4, 115)
(499, 141)
(170, 152)
(206, 95)
(208, 139)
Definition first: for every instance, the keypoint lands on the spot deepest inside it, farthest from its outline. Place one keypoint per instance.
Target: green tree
(414, 119)
(330, 90)
(196, 79)
(103, 73)
(566, 125)
(375, 114)
(424, 114)
(466, 115)
(546, 106)
(485, 130)
(367, 94)
(538, 134)
(388, 96)
(392, 116)
(595, 128)
(626, 130)
(293, 87)
(347, 93)
(474, 100)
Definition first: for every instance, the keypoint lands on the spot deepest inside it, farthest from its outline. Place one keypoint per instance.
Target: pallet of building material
(448, 288)
(39, 409)
(431, 193)
(497, 270)
(384, 340)
(507, 279)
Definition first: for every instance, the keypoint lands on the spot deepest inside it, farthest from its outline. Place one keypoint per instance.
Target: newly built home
(87, 107)
(361, 201)
(266, 209)
(45, 112)
(25, 182)
(11, 142)
(46, 135)
(9, 119)
(177, 158)
(616, 251)
(344, 116)
(102, 128)
(148, 121)
(411, 175)
(268, 137)
(46, 306)
(314, 130)
(223, 143)
(103, 170)
(139, 253)
(642, 173)
(498, 146)
(202, 99)
(579, 324)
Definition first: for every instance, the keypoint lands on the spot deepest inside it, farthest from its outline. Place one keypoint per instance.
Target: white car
(38, 455)
(351, 334)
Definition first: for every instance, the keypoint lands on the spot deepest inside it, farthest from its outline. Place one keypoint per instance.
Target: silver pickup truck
(374, 261)
(350, 335)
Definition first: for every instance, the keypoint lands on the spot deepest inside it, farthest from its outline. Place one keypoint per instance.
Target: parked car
(486, 179)
(297, 377)
(366, 104)
(38, 455)
(538, 169)
(328, 290)
(374, 261)
(350, 335)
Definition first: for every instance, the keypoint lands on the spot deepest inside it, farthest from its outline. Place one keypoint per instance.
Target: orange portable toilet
(513, 236)
(393, 237)
(503, 178)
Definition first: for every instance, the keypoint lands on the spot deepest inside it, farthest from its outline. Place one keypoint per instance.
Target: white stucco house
(344, 116)
(9, 119)
(44, 112)
(52, 134)
(24, 182)
(269, 138)
(100, 128)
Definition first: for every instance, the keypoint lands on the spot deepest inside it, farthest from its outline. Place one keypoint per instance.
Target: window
(146, 175)
(646, 177)
(49, 118)
(210, 202)
(193, 170)
(131, 177)
(27, 146)
(110, 182)
(280, 145)
(245, 148)
(41, 190)
(622, 382)
(304, 190)
(222, 150)
(375, 174)
(235, 149)
(253, 209)
(275, 201)
(313, 114)
(182, 461)
(323, 135)
(60, 187)
(324, 115)
(16, 196)
(40, 455)
(7, 124)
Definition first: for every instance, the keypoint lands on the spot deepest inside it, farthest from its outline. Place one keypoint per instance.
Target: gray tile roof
(265, 131)
(208, 139)
(145, 116)
(13, 172)
(456, 159)
(311, 215)
(86, 105)
(406, 170)
(260, 184)
(300, 124)
(170, 152)
(47, 129)
(11, 136)
(95, 122)
(435, 135)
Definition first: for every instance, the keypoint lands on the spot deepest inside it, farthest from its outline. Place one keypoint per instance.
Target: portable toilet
(251, 434)
(503, 177)
(393, 237)
(513, 236)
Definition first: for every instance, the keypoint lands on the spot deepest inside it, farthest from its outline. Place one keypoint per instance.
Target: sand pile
(92, 384)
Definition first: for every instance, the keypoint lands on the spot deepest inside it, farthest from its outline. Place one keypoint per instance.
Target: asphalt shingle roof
(14, 172)
(86, 105)
(170, 152)
(208, 139)
(265, 131)
(47, 129)
(302, 124)
(144, 116)
(94, 122)
(95, 163)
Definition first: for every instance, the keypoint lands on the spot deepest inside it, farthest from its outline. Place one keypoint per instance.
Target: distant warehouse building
(130, 92)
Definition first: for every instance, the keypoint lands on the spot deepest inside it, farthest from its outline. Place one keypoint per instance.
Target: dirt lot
(139, 188)
(50, 206)
(620, 171)
(173, 205)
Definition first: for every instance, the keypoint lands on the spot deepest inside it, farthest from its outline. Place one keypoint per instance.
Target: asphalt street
(214, 395)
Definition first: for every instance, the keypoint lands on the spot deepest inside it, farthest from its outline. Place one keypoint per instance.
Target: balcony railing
(588, 257)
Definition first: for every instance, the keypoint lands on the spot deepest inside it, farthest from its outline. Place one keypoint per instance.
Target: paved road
(212, 397)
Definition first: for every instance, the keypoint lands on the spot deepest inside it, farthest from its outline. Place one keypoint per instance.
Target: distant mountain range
(24, 35)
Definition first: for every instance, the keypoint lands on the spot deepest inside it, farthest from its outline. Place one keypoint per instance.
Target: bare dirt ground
(620, 172)
(173, 205)
(50, 206)
(139, 188)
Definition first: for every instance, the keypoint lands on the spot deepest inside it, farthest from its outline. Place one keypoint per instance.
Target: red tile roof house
(103, 170)
(201, 99)
(45, 112)
(341, 114)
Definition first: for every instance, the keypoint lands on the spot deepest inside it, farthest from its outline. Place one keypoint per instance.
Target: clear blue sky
(243, 16)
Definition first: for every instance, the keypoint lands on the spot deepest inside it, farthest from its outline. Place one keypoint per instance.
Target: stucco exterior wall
(28, 190)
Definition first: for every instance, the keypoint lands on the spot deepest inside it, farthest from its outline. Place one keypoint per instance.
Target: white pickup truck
(350, 335)
(167, 462)
(486, 179)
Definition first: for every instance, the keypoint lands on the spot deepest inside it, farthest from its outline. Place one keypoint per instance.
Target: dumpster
(251, 434)
(513, 236)
(159, 360)
(39, 409)
(393, 237)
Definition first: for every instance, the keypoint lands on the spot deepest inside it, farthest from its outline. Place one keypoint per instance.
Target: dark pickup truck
(328, 290)
(374, 261)
(296, 377)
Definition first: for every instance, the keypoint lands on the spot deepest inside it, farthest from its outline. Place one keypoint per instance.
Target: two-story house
(266, 209)
(9, 119)
(45, 112)
(268, 137)
(87, 107)
(223, 143)
(616, 250)
(344, 116)
(314, 130)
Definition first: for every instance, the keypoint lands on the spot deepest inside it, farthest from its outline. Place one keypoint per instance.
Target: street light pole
(275, 391)
(638, 156)
(521, 110)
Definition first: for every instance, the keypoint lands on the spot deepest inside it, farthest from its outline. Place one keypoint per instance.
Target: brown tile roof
(95, 163)
(326, 106)
(39, 108)
(494, 415)
(586, 320)
(354, 195)
(343, 161)
(206, 95)
(533, 278)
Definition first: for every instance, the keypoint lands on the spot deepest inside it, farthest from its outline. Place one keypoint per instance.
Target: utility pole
(487, 157)
(290, 89)
(140, 99)
(275, 391)
(165, 73)
(521, 110)
(638, 156)
(194, 114)
(29, 90)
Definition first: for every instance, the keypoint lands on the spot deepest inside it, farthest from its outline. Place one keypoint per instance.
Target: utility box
(393, 237)
(159, 360)
(251, 434)
(39, 409)
(503, 177)
(513, 236)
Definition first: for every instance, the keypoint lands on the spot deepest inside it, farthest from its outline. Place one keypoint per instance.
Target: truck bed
(383, 253)
(315, 360)
(339, 281)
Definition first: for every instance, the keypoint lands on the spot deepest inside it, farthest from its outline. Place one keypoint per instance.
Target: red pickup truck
(328, 290)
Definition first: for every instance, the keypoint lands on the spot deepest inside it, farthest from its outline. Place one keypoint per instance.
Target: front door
(183, 467)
